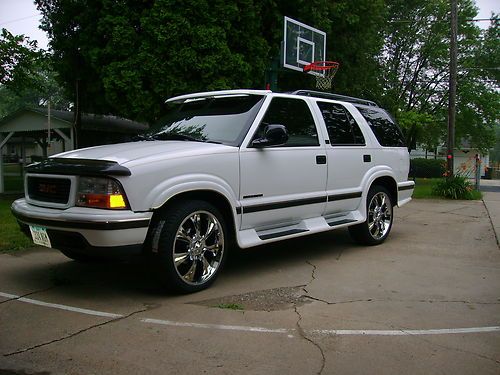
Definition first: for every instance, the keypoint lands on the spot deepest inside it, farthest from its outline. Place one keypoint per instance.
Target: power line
(479, 68)
(481, 19)
(19, 19)
(438, 21)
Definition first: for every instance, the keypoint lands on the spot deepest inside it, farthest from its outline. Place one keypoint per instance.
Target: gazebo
(44, 134)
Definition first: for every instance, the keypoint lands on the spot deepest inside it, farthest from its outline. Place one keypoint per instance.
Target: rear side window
(341, 126)
(296, 116)
(383, 126)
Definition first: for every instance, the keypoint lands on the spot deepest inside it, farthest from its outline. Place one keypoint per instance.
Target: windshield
(224, 119)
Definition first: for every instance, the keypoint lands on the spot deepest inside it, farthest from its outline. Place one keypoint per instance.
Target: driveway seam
(491, 222)
(27, 294)
(76, 333)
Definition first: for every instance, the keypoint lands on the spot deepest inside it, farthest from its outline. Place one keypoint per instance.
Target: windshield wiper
(142, 137)
(178, 137)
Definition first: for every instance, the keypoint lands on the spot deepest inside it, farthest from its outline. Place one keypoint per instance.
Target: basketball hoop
(324, 72)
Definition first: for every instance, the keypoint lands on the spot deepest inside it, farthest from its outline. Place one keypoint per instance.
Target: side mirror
(274, 135)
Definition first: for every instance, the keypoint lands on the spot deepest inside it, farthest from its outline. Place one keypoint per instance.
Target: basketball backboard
(302, 44)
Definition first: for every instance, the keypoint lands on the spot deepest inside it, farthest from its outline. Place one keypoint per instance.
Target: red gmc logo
(47, 188)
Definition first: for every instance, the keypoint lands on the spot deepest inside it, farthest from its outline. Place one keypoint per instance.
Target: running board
(341, 222)
(281, 234)
(251, 237)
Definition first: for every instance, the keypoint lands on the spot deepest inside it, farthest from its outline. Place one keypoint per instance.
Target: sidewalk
(491, 199)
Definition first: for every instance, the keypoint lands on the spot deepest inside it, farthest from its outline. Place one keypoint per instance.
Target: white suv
(244, 166)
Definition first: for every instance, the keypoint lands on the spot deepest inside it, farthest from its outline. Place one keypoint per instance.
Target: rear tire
(379, 217)
(192, 246)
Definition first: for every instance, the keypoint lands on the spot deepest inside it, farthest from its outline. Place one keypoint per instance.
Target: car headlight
(99, 192)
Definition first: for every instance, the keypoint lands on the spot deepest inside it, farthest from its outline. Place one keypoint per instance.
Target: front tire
(192, 246)
(379, 217)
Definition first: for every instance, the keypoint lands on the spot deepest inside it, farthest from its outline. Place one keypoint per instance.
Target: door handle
(367, 158)
(320, 159)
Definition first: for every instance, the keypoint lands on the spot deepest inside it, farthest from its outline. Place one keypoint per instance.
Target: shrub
(427, 168)
(456, 187)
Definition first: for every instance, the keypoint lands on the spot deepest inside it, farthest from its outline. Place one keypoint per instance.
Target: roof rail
(327, 95)
(217, 93)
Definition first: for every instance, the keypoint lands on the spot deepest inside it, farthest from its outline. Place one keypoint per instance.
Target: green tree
(354, 38)
(495, 151)
(415, 63)
(420, 128)
(26, 76)
(126, 57)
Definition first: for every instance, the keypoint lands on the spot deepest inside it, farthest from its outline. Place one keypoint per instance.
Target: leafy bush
(457, 187)
(427, 168)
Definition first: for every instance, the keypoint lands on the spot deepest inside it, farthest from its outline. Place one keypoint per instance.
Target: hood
(146, 151)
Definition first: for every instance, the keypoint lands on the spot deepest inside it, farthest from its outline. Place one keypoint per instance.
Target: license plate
(40, 236)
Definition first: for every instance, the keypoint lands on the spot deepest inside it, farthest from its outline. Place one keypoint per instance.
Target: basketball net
(324, 73)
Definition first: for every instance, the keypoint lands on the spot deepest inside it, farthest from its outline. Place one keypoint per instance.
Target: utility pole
(452, 89)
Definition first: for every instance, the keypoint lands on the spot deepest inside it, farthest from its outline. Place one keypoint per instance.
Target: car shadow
(134, 277)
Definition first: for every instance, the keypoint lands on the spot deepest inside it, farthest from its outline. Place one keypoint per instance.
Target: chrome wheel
(198, 247)
(379, 215)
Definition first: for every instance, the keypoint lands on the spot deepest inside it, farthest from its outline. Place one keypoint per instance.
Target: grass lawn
(13, 184)
(423, 189)
(13, 177)
(12, 168)
(11, 238)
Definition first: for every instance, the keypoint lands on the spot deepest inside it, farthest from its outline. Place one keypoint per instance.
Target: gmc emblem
(47, 188)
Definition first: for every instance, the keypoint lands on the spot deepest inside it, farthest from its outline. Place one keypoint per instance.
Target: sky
(22, 17)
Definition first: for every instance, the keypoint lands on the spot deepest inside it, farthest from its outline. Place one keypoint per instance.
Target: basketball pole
(272, 74)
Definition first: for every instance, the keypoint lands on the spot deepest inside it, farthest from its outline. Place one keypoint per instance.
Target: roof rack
(327, 95)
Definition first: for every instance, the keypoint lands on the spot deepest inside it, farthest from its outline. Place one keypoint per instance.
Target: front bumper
(86, 229)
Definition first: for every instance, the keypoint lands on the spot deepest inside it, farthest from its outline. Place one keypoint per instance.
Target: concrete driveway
(427, 301)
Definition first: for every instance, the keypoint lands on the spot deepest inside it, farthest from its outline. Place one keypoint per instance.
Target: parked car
(244, 167)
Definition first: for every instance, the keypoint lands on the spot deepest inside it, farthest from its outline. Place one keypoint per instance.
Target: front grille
(53, 190)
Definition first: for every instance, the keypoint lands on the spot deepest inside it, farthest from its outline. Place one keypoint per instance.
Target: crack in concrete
(313, 274)
(299, 327)
(313, 277)
(458, 350)
(337, 302)
(340, 254)
(399, 301)
(28, 294)
(20, 351)
(454, 209)
(467, 216)
(302, 334)
(451, 212)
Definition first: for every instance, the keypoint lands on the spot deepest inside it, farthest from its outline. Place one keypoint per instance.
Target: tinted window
(341, 126)
(223, 119)
(296, 116)
(383, 126)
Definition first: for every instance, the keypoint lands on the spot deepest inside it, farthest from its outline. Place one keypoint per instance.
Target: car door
(348, 158)
(284, 184)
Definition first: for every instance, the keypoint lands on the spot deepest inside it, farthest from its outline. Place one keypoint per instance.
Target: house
(30, 134)
(464, 158)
